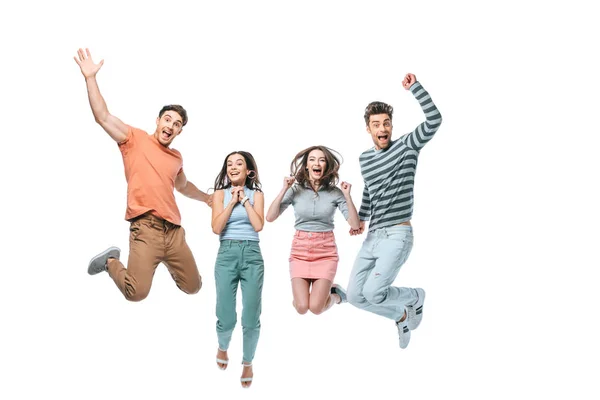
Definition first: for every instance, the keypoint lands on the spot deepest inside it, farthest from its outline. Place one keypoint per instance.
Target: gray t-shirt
(314, 211)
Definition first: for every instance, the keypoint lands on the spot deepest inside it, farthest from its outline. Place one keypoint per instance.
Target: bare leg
(321, 298)
(300, 288)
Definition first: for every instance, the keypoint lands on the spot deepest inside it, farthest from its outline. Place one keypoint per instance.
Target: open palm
(88, 68)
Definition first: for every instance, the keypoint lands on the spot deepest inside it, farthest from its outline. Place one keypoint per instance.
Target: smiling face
(237, 170)
(168, 126)
(380, 128)
(316, 164)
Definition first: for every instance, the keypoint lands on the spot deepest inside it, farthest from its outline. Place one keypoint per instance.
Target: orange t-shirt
(150, 170)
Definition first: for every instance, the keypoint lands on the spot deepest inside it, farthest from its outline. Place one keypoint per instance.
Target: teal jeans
(239, 261)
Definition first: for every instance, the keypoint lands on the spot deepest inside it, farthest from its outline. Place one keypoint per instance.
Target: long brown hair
(329, 178)
(252, 180)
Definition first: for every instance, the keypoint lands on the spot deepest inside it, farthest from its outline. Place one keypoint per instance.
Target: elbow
(259, 226)
(217, 230)
(180, 187)
(270, 217)
(101, 119)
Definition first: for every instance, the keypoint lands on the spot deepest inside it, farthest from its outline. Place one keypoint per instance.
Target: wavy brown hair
(252, 180)
(329, 177)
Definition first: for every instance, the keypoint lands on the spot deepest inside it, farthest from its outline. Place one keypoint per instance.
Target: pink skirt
(314, 255)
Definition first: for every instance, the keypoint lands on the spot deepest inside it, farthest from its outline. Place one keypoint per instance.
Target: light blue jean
(382, 254)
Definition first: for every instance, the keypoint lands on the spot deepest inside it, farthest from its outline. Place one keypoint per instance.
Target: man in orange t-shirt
(153, 171)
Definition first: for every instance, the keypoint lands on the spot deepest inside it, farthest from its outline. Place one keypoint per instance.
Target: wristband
(245, 199)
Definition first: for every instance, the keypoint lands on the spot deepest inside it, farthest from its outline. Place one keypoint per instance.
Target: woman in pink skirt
(312, 191)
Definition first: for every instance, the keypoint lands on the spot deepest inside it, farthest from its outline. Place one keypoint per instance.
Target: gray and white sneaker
(415, 312)
(403, 333)
(99, 263)
(337, 289)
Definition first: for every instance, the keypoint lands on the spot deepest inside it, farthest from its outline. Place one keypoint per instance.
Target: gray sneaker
(98, 263)
(415, 312)
(403, 333)
(337, 289)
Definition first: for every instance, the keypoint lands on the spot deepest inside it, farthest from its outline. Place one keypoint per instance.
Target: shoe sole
(94, 268)
(406, 335)
(337, 289)
(418, 310)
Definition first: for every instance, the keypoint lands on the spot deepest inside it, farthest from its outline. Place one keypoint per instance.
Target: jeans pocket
(134, 230)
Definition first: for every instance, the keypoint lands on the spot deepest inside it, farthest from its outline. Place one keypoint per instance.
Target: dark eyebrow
(176, 119)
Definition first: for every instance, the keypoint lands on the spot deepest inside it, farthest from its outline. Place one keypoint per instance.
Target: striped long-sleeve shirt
(389, 174)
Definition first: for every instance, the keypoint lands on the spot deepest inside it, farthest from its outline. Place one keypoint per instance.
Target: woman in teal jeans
(237, 217)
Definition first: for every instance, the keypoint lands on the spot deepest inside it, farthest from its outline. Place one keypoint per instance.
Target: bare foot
(222, 359)
(247, 375)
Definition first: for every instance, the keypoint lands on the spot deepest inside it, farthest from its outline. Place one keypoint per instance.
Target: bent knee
(136, 296)
(302, 308)
(192, 288)
(375, 296)
(316, 308)
(355, 297)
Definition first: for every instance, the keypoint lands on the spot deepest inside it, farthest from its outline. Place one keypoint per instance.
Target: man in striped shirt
(388, 170)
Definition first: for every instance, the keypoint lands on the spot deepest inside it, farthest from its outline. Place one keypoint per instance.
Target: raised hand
(345, 186)
(288, 181)
(241, 194)
(235, 194)
(88, 68)
(409, 80)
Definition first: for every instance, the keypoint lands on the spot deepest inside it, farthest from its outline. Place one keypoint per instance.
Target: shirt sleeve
(288, 198)
(129, 141)
(433, 119)
(340, 202)
(364, 214)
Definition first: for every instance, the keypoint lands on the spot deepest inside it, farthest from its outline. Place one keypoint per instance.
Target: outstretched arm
(111, 124)
(433, 119)
(190, 190)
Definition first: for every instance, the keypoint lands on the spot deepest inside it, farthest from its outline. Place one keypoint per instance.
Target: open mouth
(317, 172)
(383, 138)
(166, 135)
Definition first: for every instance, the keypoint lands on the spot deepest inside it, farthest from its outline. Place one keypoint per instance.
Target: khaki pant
(153, 240)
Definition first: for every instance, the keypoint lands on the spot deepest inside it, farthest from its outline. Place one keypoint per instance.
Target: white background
(505, 216)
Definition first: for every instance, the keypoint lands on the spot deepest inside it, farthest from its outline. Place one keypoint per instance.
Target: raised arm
(190, 190)
(433, 119)
(111, 124)
(275, 208)
(352, 218)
